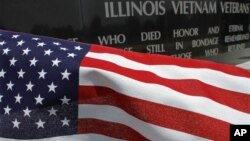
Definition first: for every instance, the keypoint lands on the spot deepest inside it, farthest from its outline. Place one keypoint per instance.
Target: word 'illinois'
(134, 8)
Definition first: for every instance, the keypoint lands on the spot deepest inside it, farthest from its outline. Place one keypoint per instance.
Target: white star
(41, 44)
(78, 48)
(35, 39)
(1, 96)
(65, 100)
(57, 43)
(13, 61)
(39, 100)
(42, 74)
(52, 87)
(47, 52)
(6, 51)
(65, 122)
(20, 43)
(2, 73)
(20, 73)
(2, 43)
(63, 48)
(55, 62)
(52, 111)
(33, 62)
(65, 74)
(7, 110)
(26, 51)
(16, 123)
(15, 36)
(27, 112)
(72, 55)
(29, 86)
(10, 85)
(18, 98)
(40, 124)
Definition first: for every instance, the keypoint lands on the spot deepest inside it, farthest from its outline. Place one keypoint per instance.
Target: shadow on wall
(59, 32)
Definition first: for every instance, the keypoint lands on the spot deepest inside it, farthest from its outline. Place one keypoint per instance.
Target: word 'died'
(150, 36)
(134, 8)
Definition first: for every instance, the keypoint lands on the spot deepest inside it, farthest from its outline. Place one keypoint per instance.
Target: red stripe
(154, 59)
(111, 129)
(232, 99)
(157, 114)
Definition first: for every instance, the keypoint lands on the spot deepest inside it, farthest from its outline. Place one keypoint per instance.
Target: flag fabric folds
(52, 89)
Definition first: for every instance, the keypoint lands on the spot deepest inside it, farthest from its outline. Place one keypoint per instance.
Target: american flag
(52, 89)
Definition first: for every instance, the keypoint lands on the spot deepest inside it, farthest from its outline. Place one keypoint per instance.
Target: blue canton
(38, 85)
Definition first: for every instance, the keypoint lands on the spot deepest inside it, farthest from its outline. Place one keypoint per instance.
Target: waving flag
(53, 89)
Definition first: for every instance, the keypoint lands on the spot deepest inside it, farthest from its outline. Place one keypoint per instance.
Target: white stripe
(150, 131)
(209, 76)
(245, 65)
(80, 137)
(161, 94)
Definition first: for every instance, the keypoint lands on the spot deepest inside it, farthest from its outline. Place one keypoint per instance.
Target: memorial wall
(181, 28)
